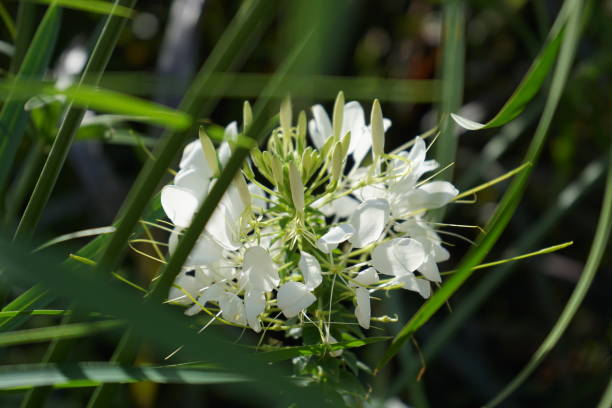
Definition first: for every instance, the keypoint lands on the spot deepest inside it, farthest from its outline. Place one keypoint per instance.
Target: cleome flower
(307, 229)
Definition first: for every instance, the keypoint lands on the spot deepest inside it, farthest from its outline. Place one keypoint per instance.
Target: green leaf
(92, 6)
(95, 98)
(13, 117)
(509, 202)
(57, 332)
(89, 374)
(286, 353)
(531, 82)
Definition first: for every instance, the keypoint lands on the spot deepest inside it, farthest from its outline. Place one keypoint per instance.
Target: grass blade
(57, 332)
(13, 117)
(606, 399)
(531, 82)
(89, 374)
(55, 161)
(511, 198)
(92, 6)
(596, 253)
(567, 200)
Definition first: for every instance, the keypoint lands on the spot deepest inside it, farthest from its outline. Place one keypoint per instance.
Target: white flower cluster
(315, 223)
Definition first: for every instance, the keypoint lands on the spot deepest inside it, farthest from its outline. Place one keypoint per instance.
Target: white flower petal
(320, 128)
(224, 229)
(205, 251)
(188, 281)
(192, 179)
(211, 293)
(194, 158)
(257, 196)
(232, 308)
(179, 204)
(293, 297)
(440, 193)
(254, 304)
(311, 270)
(259, 269)
(362, 310)
(440, 253)
(398, 257)
(429, 269)
(369, 221)
(409, 282)
(335, 236)
(367, 277)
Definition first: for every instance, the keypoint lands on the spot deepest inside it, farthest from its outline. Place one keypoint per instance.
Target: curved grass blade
(8, 21)
(57, 332)
(90, 374)
(36, 312)
(163, 326)
(95, 98)
(606, 399)
(511, 198)
(596, 253)
(531, 82)
(75, 235)
(13, 117)
(92, 6)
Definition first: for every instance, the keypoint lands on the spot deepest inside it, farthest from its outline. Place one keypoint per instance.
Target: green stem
(453, 62)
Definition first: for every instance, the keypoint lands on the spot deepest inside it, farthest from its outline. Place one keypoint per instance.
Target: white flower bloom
(369, 220)
(335, 236)
(432, 246)
(205, 252)
(293, 297)
(259, 271)
(398, 257)
(367, 277)
(190, 281)
(209, 293)
(362, 310)
(411, 282)
(311, 270)
(255, 304)
(320, 129)
(232, 308)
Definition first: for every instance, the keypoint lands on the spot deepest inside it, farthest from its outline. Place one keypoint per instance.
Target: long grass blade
(90, 374)
(93, 70)
(13, 117)
(91, 6)
(592, 264)
(606, 399)
(509, 202)
(531, 82)
(57, 332)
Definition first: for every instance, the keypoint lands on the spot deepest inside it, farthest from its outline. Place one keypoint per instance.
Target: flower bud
(297, 187)
(338, 116)
(209, 151)
(378, 130)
